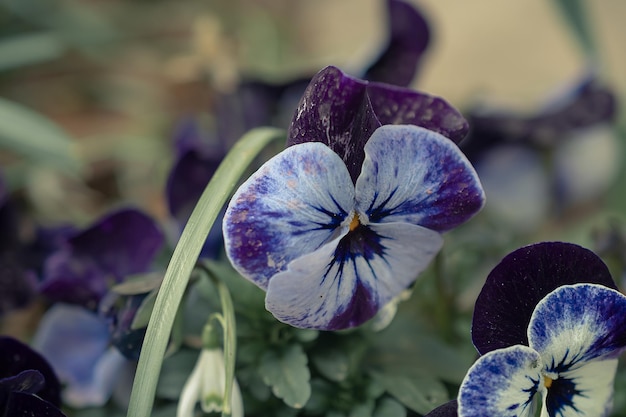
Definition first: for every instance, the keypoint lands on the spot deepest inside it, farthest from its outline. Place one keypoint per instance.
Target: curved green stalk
(183, 261)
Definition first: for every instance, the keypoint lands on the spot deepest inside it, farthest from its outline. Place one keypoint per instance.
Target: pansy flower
(550, 324)
(332, 244)
(28, 385)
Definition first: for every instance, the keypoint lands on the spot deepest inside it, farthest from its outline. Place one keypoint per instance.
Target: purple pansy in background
(550, 323)
(80, 341)
(28, 385)
(122, 243)
(332, 248)
(573, 132)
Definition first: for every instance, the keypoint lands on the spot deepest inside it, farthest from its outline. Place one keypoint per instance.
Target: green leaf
(32, 135)
(332, 363)
(420, 393)
(33, 48)
(183, 261)
(139, 284)
(388, 407)
(142, 316)
(286, 371)
(576, 15)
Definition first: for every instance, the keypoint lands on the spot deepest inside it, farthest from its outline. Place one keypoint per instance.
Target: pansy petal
(514, 287)
(346, 282)
(292, 205)
(448, 409)
(417, 176)
(17, 357)
(585, 391)
(73, 340)
(408, 39)
(578, 323)
(29, 381)
(20, 404)
(502, 383)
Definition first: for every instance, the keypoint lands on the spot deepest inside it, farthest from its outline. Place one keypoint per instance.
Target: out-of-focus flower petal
(74, 340)
(346, 282)
(17, 285)
(514, 287)
(120, 244)
(292, 205)
(408, 39)
(18, 357)
(502, 383)
(342, 112)
(413, 175)
(578, 323)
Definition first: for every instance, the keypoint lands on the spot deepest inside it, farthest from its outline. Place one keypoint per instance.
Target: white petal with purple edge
(578, 323)
(296, 202)
(502, 383)
(346, 282)
(413, 175)
(585, 391)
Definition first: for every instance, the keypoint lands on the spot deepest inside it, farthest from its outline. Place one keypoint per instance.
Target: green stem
(183, 261)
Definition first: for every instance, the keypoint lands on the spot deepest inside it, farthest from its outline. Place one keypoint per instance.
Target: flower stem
(183, 261)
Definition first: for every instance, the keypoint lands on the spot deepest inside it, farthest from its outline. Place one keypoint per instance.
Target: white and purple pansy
(550, 326)
(332, 251)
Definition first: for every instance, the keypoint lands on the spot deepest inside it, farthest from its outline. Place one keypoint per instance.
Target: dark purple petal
(187, 181)
(445, 410)
(17, 285)
(16, 357)
(28, 382)
(342, 112)
(9, 223)
(588, 104)
(26, 405)
(524, 277)
(408, 39)
(120, 311)
(120, 244)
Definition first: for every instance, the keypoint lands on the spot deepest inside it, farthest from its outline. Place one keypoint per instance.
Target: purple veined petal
(408, 39)
(448, 409)
(346, 282)
(585, 391)
(17, 357)
(516, 285)
(417, 176)
(74, 340)
(575, 324)
(295, 203)
(342, 112)
(20, 404)
(502, 383)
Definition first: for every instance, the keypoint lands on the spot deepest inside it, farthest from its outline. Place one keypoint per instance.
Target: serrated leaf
(419, 393)
(332, 363)
(32, 135)
(285, 370)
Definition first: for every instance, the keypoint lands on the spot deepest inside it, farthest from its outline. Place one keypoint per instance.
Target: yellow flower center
(354, 223)
(547, 381)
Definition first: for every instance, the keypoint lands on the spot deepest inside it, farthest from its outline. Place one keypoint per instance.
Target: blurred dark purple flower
(28, 385)
(448, 409)
(562, 154)
(120, 244)
(342, 112)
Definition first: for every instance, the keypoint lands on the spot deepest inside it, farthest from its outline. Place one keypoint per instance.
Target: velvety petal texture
(292, 205)
(502, 383)
(448, 409)
(342, 112)
(413, 175)
(516, 285)
(120, 244)
(409, 36)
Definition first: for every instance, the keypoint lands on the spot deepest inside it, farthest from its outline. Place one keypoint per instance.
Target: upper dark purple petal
(16, 357)
(408, 39)
(514, 287)
(445, 410)
(122, 243)
(588, 104)
(342, 112)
